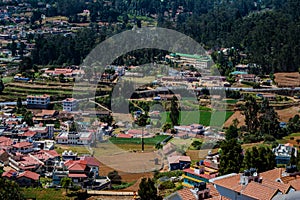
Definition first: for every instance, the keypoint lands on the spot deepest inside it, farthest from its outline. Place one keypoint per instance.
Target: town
(217, 124)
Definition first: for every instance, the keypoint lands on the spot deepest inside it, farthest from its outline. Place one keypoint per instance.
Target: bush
(269, 138)
(170, 174)
(166, 185)
(249, 138)
(114, 177)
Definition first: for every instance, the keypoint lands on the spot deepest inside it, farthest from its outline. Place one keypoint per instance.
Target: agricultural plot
(147, 141)
(206, 118)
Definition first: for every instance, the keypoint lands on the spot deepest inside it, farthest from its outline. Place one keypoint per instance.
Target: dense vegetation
(266, 31)
(233, 160)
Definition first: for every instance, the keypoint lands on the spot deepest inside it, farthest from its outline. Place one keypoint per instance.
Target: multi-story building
(84, 138)
(70, 104)
(284, 152)
(41, 102)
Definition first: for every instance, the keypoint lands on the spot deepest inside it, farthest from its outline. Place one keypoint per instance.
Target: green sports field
(206, 118)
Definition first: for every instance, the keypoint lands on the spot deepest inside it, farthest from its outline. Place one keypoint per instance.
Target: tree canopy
(147, 190)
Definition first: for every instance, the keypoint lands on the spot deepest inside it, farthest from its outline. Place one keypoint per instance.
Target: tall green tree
(231, 132)
(28, 118)
(19, 103)
(66, 182)
(175, 111)
(269, 120)
(250, 111)
(147, 190)
(9, 190)
(231, 158)
(261, 158)
(1, 86)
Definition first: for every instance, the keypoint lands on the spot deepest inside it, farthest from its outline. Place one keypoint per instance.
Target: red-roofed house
(28, 178)
(22, 147)
(251, 185)
(30, 134)
(27, 162)
(9, 174)
(92, 163)
(121, 135)
(78, 170)
(5, 143)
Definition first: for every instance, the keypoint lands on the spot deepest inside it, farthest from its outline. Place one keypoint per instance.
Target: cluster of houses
(201, 182)
(26, 167)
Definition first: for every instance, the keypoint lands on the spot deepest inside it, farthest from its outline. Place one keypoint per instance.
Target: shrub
(166, 185)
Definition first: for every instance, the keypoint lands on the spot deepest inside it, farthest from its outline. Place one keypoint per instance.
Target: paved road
(109, 193)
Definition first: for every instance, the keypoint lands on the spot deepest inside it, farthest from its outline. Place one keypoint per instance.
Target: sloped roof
(273, 174)
(277, 185)
(230, 182)
(177, 159)
(78, 165)
(91, 161)
(29, 134)
(121, 135)
(183, 194)
(9, 173)
(77, 176)
(295, 184)
(259, 191)
(30, 175)
(22, 144)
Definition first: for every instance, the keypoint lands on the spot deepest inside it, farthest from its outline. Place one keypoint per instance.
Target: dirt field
(284, 116)
(130, 176)
(287, 79)
(131, 162)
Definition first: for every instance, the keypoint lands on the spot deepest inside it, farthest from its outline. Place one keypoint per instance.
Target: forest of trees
(234, 160)
(266, 31)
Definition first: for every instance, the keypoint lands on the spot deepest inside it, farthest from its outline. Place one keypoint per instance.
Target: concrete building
(41, 102)
(81, 138)
(283, 153)
(70, 104)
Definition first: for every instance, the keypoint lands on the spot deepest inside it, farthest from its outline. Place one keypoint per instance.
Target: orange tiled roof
(186, 194)
(22, 144)
(287, 179)
(30, 175)
(259, 191)
(273, 174)
(231, 182)
(277, 185)
(295, 184)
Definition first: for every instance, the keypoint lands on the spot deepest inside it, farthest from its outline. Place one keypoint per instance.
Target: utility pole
(142, 139)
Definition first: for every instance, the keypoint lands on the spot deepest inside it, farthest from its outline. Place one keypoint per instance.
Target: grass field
(47, 194)
(292, 138)
(80, 149)
(148, 141)
(7, 79)
(205, 118)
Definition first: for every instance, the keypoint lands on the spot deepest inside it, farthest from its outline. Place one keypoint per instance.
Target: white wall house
(81, 138)
(70, 104)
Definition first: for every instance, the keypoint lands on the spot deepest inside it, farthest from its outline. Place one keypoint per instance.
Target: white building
(82, 138)
(70, 104)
